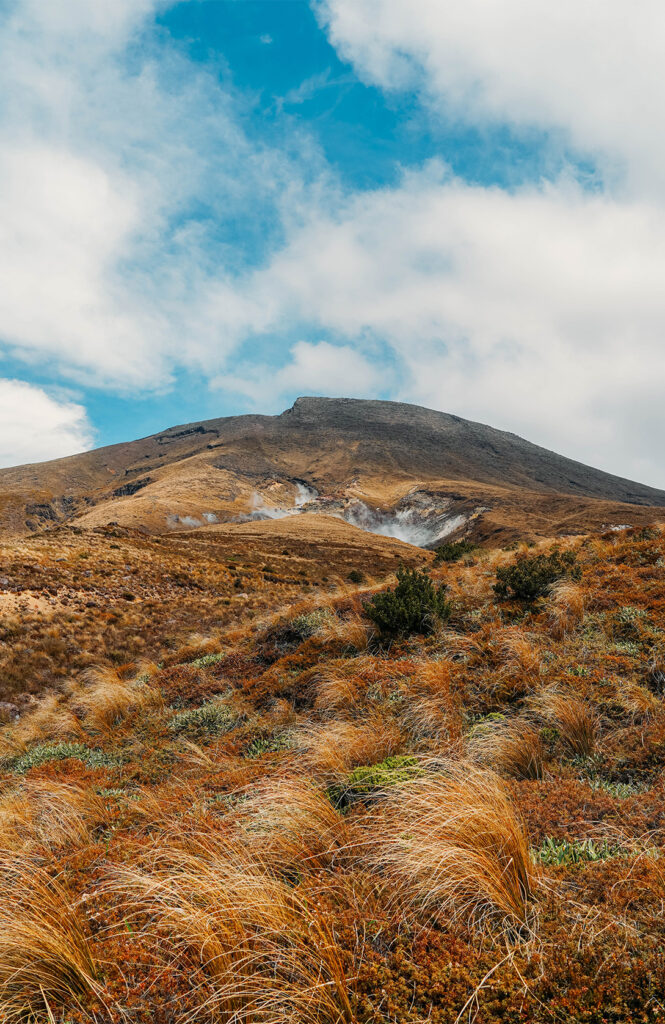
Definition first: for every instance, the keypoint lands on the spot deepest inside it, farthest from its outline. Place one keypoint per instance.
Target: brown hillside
(466, 477)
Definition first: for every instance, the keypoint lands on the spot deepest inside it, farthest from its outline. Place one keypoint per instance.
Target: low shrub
(45, 752)
(355, 576)
(213, 718)
(564, 852)
(531, 578)
(305, 626)
(452, 551)
(415, 605)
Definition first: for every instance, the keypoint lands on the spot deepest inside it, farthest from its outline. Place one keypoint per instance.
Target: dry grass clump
(291, 825)
(565, 607)
(351, 633)
(514, 749)
(106, 700)
(515, 650)
(451, 845)
(50, 718)
(45, 955)
(429, 710)
(338, 691)
(197, 646)
(332, 749)
(48, 814)
(576, 722)
(638, 703)
(259, 950)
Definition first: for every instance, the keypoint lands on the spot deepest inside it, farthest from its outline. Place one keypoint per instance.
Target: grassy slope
(204, 838)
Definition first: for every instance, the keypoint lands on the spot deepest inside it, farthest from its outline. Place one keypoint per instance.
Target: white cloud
(35, 426)
(539, 311)
(592, 70)
(317, 368)
(127, 186)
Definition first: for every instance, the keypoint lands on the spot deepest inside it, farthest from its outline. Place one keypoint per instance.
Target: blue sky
(214, 206)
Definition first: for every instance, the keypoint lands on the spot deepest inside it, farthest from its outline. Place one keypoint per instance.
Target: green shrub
(452, 551)
(213, 718)
(531, 578)
(305, 626)
(415, 605)
(355, 576)
(45, 752)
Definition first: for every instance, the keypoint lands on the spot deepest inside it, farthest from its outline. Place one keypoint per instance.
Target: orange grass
(575, 720)
(452, 846)
(514, 749)
(45, 956)
(260, 951)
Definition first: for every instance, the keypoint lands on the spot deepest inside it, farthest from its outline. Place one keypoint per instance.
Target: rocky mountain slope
(401, 470)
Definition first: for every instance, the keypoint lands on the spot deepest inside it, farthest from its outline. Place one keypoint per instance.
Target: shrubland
(302, 816)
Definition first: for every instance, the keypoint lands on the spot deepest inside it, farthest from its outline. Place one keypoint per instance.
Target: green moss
(371, 778)
(207, 659)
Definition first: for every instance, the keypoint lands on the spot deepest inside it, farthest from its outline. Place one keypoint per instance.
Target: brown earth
(376, 452)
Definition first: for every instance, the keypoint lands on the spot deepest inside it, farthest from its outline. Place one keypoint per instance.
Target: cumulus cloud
(36, 426)
(539, 311)
(317, 368)
(127, 187)
(591, 70)
(143, 230)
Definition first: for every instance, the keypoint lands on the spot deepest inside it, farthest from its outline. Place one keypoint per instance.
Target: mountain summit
(387, 466)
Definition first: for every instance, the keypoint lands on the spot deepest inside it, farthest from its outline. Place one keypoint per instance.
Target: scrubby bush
(213, 718)
(452, 551)
(305, 626)
(415, 605)
(531, 578)
(355, 576)
(42, 753)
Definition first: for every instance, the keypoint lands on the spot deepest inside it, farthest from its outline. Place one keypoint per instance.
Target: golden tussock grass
(429, 709)
(451, 845)
(565, 607)
(49, 718)
(291, 825)
(45, 955)
(638, 703)
(516, 650)
(49, 815)
(105, 700)
(340, 688)
(259, 951)
(196, 646)
(349, 634)
(331, 750)
(514, 749)
(574, 719)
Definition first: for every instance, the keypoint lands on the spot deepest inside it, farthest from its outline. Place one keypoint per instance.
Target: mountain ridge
(372, 451)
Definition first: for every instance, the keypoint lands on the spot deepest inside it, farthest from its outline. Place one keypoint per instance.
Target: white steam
(406, 524)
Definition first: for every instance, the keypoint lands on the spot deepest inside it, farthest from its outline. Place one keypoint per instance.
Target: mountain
(402, 470)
